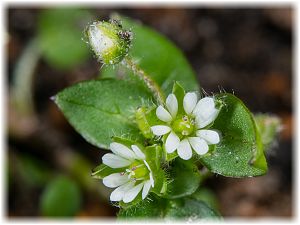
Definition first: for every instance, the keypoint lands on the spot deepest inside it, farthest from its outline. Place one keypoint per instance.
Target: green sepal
(103, 170)
(125, 141)
(143, 123)
(154, 158)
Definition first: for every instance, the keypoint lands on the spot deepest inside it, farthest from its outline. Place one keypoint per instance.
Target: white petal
(204, 106)
(132, 193)
(172, 104)
(139, 154)
(189, 102)
(115, 180)
(184, 150)
(205, 112)
(115, 161)
(147, 165)
(172, 142)
(150, 173)
(151, 179)
(199, 145)
(163, 114)
(210, 136)
(122, 150)
(160, 130)
(203, 122)
(118, 193)
(146, 189)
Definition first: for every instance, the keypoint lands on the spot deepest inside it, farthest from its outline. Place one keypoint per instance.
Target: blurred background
(48, 165)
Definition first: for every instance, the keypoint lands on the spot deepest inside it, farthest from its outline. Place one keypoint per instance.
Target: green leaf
(190, 210)
(269, 126)
(101, 109)
(240, 152)
(184, 178)
(61, 198)
(60, 33)
(158, 57)
(149, 208)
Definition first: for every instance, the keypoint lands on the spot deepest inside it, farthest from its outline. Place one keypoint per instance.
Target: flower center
(184, 125)
(137, 170)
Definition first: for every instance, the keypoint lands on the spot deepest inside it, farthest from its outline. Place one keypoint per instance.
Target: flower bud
(109, 41)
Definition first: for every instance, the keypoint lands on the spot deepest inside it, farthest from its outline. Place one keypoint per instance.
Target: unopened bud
(109, 41)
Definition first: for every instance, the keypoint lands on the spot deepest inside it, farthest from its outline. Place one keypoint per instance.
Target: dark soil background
(245, 51)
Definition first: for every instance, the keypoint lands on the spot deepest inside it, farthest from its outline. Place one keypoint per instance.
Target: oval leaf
(101, 109)
(240, 152)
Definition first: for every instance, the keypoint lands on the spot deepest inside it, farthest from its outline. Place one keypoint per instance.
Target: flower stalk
(141, 74)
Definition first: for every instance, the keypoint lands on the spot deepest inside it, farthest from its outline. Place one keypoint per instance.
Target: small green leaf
(190, 210)
(158, 57)
(101, 109)
(184, 178)
(149, 208)
(61, 198)
(60, 36)
(240, 152)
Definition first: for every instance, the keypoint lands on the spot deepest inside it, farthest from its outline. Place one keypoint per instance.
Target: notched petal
(172, 142)
(189, 102)
(184, 150)
(160, 130)
(199, 145)
(172, 104)
(115, 161)
(115, 180)
(163, 114)
(210, 136)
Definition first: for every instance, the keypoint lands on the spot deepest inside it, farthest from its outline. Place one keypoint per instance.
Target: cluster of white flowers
(136, 176)
(187, 131)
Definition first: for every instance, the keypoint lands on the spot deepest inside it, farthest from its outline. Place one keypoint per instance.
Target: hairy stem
(151, 84)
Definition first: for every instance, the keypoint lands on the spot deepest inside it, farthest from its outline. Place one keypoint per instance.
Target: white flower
(185, 132)
(136, 176)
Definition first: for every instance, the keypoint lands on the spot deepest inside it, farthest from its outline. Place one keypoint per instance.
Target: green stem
(151, 84)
